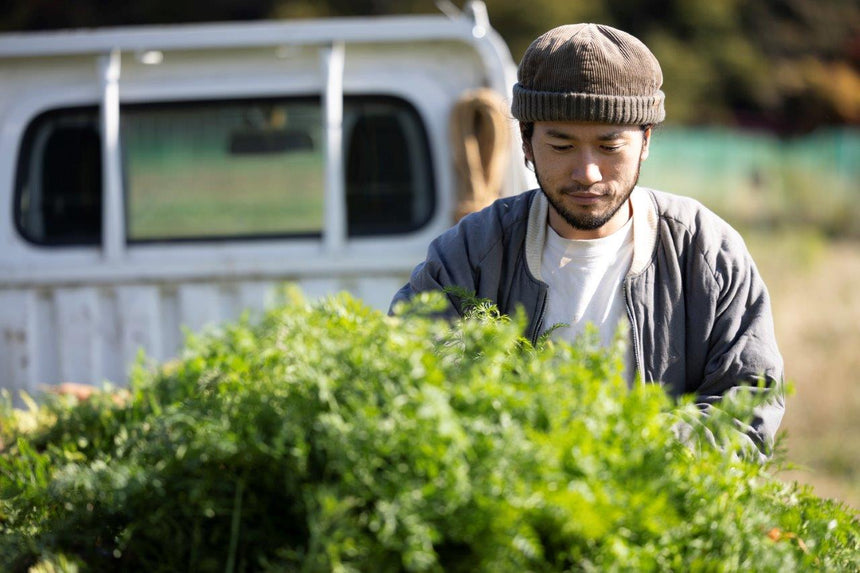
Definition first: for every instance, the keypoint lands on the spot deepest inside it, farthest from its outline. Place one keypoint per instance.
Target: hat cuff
(531, 105)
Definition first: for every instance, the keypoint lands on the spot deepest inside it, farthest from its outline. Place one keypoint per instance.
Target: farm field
(814, 282)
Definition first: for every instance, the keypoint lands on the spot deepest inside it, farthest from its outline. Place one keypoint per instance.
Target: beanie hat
(589, 72)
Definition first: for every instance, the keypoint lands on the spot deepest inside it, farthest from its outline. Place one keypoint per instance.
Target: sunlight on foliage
(329, 437)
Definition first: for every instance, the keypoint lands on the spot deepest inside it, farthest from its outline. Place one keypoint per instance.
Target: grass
(813, 283)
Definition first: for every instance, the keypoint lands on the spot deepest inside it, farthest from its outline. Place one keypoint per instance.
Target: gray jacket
(699, 312)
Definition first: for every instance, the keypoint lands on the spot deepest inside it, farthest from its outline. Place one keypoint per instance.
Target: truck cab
(161, 178)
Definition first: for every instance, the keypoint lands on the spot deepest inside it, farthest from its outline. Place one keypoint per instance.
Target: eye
(561, 147)
(612, 148)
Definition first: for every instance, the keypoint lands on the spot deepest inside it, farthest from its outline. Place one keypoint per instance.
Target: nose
(587, 171)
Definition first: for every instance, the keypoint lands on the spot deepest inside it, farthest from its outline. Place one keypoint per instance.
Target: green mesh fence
(757, 179)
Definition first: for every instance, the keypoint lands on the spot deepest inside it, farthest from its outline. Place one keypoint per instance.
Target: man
(590, 246)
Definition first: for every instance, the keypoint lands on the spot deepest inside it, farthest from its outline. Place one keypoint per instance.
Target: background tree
(788, 65)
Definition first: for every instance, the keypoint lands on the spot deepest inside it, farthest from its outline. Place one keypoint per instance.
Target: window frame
(422, 140)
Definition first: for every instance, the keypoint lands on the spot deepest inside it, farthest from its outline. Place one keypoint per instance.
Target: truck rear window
(224, 170)
(58, 198)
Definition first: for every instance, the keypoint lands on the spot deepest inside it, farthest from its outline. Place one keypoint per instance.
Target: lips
(585, 198)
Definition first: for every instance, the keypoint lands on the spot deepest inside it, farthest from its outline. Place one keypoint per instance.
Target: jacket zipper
(539, 321)
(634, 331)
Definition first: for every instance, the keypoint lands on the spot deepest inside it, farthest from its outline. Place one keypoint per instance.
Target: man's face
(587, 171)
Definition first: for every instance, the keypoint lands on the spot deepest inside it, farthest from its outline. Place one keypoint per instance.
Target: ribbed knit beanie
(589, 72)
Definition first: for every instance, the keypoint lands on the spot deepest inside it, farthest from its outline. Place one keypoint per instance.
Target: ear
(646, 144)
(527, 150)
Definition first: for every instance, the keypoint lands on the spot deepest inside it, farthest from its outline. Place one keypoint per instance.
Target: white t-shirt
(585, 279)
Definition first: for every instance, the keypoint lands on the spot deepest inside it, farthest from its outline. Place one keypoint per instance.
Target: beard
(588, 220)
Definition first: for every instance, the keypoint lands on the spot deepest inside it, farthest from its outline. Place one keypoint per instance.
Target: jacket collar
(644, 231)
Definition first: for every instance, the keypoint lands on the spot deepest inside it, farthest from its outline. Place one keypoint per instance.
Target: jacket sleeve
(424, 279)
(448, 263)
(741, 350)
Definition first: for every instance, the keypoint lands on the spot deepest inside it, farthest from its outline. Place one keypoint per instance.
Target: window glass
(234, 169)
(389, 177)
(59, 198)
(225, 169)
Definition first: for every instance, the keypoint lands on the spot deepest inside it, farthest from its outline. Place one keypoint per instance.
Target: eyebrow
(611, 136)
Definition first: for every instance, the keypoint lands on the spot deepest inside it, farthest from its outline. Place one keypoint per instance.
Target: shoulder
(503, 213)
(688, 216)
(499, 223)
(704, 234)
(685, 211)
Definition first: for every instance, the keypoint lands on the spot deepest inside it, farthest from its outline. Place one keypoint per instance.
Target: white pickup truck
(160, 178)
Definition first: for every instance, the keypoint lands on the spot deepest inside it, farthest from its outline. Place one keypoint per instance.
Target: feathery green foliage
(329, 437)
